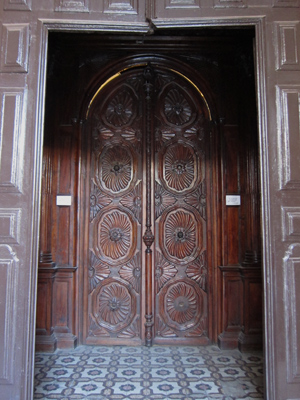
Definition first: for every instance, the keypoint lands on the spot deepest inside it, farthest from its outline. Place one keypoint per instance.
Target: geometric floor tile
(148, 373)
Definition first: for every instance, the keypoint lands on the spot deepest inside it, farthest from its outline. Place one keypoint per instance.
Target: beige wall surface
(25, 25)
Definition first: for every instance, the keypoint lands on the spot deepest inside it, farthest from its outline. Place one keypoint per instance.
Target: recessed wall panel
(229, 3)
(292, 310)
(286, 3)
(10, 225)
(121, 6)
(12, 129)
(15, 48)
(288, 46)
(17, 5)
(182, 4)
(72, 5)
(288, 127)
(8, 308)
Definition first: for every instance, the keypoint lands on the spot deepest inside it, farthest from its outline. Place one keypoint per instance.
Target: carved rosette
(113, 305)
(133, 201)
(164, 271)
(179, 168)
(198, 270)
(182, 304)
(177, 108)
(120, 110)
(97, 271)
(97, 201)
(115, 169)
(162, 199)
(181, 235)
(132, 272)
(115, 236)
(198, 199)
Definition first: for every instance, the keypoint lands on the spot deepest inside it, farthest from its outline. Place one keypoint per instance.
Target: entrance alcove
(201, 118)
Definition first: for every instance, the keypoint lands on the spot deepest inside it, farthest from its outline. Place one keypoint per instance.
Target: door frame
(258, 23)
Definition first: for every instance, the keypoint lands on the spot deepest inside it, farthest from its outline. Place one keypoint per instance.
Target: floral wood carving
(132, 272)
(113, 305)
(180, 235)
(179, 167)
(133, 201)
(182, 304)
(98, 200)
(97, 271)
(177, 109)
(114, 236)
(163, 270)
(116, 168)
(198, 270)
(198, 199)
(162, 199)
(96, 330)
(120, 110)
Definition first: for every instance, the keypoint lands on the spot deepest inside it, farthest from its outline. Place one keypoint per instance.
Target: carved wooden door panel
(158, 123)
(115, 259)
(181, 121)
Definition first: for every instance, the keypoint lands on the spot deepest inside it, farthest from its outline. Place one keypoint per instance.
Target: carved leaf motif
(133, 201)
(101, 132)
(162, 199)
(120, 109)
(115, 235)
(198, 199)
(114, 304)
(96, 330)
(97, 271)
(181, 303)
(198, 270)
(132, 331)
(116, 168)
(179, 167)
(97, 201)
(131, 135)
(132, 272)
(180, 234)
(163, 330)
(163, 270)
(176, 107)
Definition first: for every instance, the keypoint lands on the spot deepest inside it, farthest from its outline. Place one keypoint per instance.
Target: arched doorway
(160, 143)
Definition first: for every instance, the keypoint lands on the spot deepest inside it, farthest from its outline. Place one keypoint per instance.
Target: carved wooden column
(148, 237)
(45, 338)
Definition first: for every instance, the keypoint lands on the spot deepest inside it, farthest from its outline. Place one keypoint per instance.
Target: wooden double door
(146, 245)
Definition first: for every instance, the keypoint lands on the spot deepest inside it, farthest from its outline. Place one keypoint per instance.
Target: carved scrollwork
(162, 199)
(179, 165)
(163, 330)
(133, 201)
(132, 272)
(164, 271)
(97, 271)
(132, 331)
(97, 201)
(198, 270)
(198, 199)
(115, 169)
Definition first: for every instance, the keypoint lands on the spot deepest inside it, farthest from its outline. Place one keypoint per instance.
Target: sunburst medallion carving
(177, 108)
(179, 167)
(116, 168)
(181, 303)
(120, 109)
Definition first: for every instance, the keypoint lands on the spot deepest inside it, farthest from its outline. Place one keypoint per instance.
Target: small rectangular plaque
(63, 200)
(233, 200)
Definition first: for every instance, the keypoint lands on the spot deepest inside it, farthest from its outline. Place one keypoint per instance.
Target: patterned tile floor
(125, 373)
